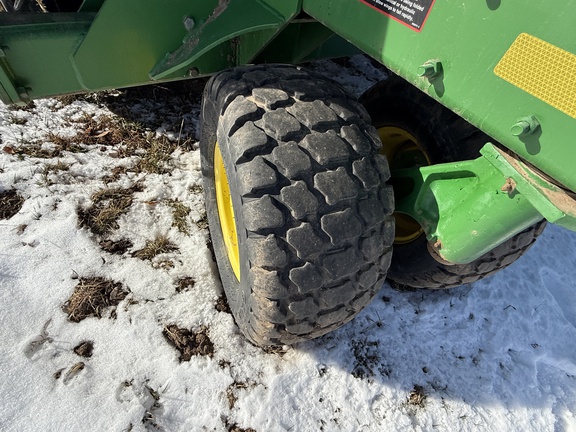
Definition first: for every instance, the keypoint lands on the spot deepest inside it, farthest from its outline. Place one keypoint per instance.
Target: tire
(311, 209)
(442, 136)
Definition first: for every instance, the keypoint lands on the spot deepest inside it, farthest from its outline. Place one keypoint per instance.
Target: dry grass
(116, 173)
(161, 244)
(157, 156)
(180, 216)
(202, 223)
(32, 149)
(47, 170)
(108, 205)
(417, 396)
(91, 297)
(65, 143)
(10, 203)
(109, 131)
(128, 139)
(56, 167)
(189, 343)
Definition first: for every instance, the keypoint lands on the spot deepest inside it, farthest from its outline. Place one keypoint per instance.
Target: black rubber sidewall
(235, 290)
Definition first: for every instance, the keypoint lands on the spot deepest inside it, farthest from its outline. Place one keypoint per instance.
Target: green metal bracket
(35, 60)
(228, 21)
(468, 208)
(8, 93)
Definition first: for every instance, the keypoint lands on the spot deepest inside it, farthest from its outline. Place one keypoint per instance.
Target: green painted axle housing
(468, 208)
(506, 67)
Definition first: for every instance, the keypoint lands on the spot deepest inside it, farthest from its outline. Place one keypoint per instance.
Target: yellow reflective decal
(543, 70)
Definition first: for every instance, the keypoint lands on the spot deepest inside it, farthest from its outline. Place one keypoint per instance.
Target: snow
(498, 355)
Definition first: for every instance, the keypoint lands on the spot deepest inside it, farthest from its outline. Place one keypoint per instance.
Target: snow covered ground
(499, 355)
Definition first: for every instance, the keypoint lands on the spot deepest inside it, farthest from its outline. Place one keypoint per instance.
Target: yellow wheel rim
(226, 212)
(402, 150)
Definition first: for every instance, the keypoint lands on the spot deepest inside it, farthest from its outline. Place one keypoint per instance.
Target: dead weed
(202, 223)
(32, 149)
(417, 396)
(109, 131)
(235, 428)
(128, 139)
(161, 244)
(156, 155)
(180, 216)
(66, 143)
(108, 205)
(189, 343)
(10, 203)
(91, 297)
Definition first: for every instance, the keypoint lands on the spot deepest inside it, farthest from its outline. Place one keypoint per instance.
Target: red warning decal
(411, 13)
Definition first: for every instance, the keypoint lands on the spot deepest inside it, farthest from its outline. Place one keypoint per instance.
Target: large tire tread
(435, 275)
(308, 200)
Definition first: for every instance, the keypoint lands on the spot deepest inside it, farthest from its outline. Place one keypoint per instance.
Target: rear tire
(311, 209)
(441, 136)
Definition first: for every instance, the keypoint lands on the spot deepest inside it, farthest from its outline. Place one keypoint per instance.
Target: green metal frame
(468, 39)
(468, 208)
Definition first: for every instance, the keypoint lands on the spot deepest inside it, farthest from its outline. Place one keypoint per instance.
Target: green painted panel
(129, 36)
(37, 52)
(470, 38)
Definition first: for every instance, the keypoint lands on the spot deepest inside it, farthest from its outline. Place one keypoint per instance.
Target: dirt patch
(10, 203)
(84, 349)
(155, 247)
(184, 284)
(119, 247)
(91, 297)
(222, 305)
(235, 428)
(189, 343)
(367, 358)
(231, 392)
(108, 205)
